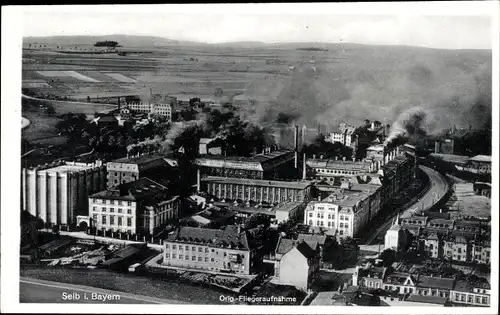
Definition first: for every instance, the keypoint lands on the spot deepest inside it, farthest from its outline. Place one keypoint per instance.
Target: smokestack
(296, 159)
(198, 180)
(321, 156)
(343, 159)
(296, 144)
(354, 159)
(314, 156)
(436, 146)
(304, 167)
(373, 125)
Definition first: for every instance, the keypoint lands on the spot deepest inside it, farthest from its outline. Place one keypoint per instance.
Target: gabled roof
(436, 282)
(426, 299)
(305, 250)
(285, 245)
(320, 239)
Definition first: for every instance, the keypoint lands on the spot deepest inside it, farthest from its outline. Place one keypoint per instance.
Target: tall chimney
(296, 144)
(321, 156)
(304, 167)
(343, 159)
(198, 179)
(436, 146)
(314, 156)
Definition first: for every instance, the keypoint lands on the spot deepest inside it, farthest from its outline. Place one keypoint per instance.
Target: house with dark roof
(471, 292)
(229, 250)
(297, 262)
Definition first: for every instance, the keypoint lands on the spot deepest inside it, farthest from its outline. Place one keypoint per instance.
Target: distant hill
(123, 40)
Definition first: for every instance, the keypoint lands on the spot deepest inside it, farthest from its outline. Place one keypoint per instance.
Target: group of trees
(107, 43)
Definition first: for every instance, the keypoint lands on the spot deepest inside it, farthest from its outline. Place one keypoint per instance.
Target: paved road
(42, 291)
(438, 188)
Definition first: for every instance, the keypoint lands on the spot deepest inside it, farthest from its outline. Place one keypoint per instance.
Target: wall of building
(257, 193)
(294, 270)
(470, 298)
(206, 257)
(100, 208)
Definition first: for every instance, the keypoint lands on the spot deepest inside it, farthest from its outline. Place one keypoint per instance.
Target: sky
(383, 24)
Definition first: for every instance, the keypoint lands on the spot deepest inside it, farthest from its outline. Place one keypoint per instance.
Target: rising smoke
(409, 125)
(448, 87)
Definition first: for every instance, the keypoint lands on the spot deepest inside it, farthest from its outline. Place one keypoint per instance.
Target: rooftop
(143, 189)
(452, 158)
(70, 167)
(228, 237)
(285, 245)
(258, 182)
(256, 162)
(436, 282)
(320, 239)
(481, 158)
(141, 159)
(338, 164)
(289, 206)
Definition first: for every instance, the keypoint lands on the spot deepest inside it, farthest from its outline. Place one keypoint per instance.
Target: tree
(388, 256)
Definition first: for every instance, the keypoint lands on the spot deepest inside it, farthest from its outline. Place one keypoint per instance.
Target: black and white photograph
(322, 157)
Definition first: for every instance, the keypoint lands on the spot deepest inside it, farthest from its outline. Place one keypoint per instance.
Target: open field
(338, 81)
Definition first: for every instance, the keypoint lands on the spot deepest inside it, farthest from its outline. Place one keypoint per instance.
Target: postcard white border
(11, 80)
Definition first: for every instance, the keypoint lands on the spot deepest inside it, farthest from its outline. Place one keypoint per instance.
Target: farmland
(323, 84)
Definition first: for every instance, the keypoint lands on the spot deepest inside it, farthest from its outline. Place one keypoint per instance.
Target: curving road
(438, 188)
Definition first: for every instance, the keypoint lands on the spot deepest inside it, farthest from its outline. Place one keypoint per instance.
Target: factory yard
(465, 203)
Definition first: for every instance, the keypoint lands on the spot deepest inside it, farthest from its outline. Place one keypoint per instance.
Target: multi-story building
(226, 251)
(331, 169)
(161, 109)
(257, 190)
(403, 282)
(271, 165)
(346, 211)
(135, 207)
(131, 168)
(471, 293)
(345, 134)
(482, 251)
(297, 262)
(57, 193)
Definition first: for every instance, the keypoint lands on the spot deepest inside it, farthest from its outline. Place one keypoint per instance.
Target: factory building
(346, 211)
(345, 134)
(225, 251)
(331, 170)
(57, 193)
(258, 191)
(131, 168)
(268, 165)
(160, 109)
(139, 206)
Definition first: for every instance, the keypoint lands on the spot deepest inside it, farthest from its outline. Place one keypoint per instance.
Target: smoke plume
(409, 124)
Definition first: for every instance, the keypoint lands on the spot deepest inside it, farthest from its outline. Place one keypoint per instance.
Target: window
(200, 250)
(120, 202)
(129, 203)
(181, 247)
(469, 299)
(103, 209)
(478, 299)
(213, 250)
(103, 219)
(310, 214)
(199, 258)
(120, 210)
(225, 254)
(94, 217)
(485, 300)
(112, 202)
(459, 250)
(174, 246)
(341, 232)
(129, 211)
(317, 223)
(112, 219)
(181, 256)
(346, 226)
(341, 224)
(206, 259)
(111, 209)
(329, 217)
(211, 259)
(94, 200)
(167, 255)
(341, 217)
(329, 224)
(193, 258)
(104, 201)
(94, 208)
(173, 256)
(167, 246)
(129, 221)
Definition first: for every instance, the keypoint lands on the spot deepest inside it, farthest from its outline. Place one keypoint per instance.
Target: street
(41, 291)
(438, 188)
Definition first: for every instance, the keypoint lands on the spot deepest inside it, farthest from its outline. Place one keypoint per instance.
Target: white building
(345, 211)
(57, 193)
(465, 292)
(395, 237)
(139, 206)
(345, 135)
(162, 109)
